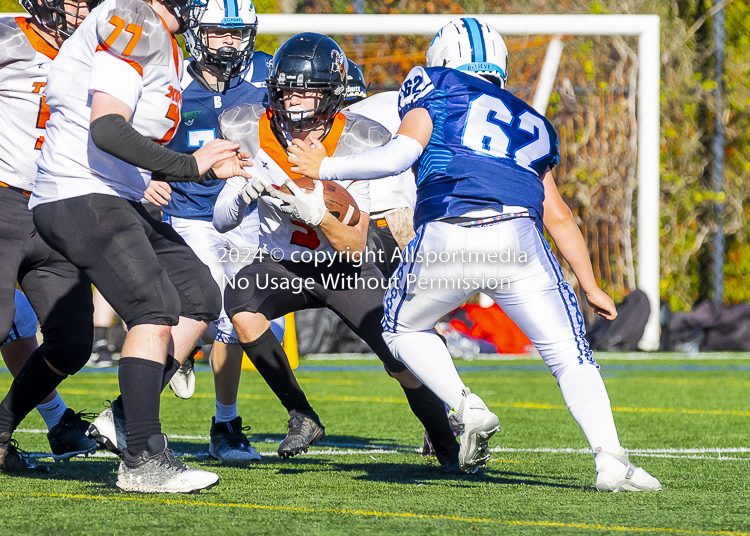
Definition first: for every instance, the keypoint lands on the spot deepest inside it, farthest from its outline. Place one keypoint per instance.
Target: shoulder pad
(133, 31)
(417, 85)
(240, 124)
(360, 134)
(14, 46)
(261, 66)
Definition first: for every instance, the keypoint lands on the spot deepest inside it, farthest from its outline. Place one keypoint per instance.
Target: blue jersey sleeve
(417, 91)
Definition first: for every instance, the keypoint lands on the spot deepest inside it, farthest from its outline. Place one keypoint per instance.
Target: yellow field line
(397, 400)
(375, 513)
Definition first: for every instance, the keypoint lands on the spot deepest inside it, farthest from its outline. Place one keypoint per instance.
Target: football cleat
(13, 459)
(476, 424)
(183, 381)
(229, 443)
(108, 429)
(156, 470)
(614, 472)
(303, 432)
(101, 355)
(68, 437)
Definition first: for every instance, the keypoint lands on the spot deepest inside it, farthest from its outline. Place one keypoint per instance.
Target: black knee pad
(70, 357)
(202, 301)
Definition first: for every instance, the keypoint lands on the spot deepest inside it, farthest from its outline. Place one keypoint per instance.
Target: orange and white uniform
(124, 49)
(25, 61)
(250, 126)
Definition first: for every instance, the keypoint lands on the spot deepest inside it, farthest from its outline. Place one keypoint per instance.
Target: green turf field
(686, 420)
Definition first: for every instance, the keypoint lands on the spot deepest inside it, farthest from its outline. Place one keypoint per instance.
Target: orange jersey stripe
(39, 44)
(176, 51)
(273, 148)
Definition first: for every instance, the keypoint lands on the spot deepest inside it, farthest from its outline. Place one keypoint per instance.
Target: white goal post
(645, 27)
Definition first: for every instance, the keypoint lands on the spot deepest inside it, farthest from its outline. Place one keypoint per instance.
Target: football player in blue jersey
(484, 189)
(225, 71)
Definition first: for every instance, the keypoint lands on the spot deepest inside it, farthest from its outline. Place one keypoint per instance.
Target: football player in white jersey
(485, 186)
(225, 71)
(306, 89)
(114, 96)
(27, 48)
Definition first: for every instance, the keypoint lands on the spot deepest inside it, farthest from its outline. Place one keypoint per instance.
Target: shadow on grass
(340, 442)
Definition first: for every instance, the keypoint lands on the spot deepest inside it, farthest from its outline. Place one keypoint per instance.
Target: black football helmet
(308, 61)
(52, 15)
(356, 89)
(181, 9)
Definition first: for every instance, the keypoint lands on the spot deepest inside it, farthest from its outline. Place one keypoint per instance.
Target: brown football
(339, 201)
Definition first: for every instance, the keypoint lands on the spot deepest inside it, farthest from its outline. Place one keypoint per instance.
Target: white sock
(584, 393)
(52, 411)
(429, 360)
(226, 413)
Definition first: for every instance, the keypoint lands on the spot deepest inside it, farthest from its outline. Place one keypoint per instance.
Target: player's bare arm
(344, 237)
(390, 159)
(559, 221)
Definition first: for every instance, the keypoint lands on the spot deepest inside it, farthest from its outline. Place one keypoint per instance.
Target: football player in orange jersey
(27, 48)
(86, 203)
(306, 86)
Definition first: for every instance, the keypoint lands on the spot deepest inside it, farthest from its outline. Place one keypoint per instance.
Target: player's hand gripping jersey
(201, 108)
(25, 60)
(250, 126)
(124, 49)
(482, 132)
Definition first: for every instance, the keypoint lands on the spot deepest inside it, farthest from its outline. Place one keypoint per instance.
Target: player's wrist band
(115, 136)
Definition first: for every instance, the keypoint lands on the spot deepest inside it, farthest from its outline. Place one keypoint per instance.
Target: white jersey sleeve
(123, 49)
(25, 61)
(130, 36)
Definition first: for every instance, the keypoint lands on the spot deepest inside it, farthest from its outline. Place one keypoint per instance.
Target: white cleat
(614, 472)
(476, 424)
(183, 381)
(156, 470)
(108, 431)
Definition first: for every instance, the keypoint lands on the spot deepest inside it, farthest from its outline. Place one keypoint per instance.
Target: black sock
(170, 369)
(100, 333)
(33, 383)
(430, 411)
(140, 385)
(269, 358)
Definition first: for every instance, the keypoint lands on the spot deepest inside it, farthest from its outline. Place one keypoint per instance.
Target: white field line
(603, 356)
(699, 453)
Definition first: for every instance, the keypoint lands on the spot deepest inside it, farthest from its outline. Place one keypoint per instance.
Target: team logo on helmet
(337, 63)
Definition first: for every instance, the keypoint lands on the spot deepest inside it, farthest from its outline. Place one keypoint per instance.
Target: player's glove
(310, 207)
(254, 188)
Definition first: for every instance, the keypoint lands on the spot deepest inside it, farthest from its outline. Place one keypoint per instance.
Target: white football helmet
(469, 45)
(223, 14)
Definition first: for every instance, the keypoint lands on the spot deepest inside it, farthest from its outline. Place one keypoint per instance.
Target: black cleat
(14, 460)
(68, 437)
(303, 432)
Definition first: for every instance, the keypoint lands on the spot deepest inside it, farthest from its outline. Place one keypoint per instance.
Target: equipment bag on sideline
(623, 333)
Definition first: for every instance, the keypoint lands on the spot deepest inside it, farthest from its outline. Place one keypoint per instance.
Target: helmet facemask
(181, 10)
(327, 105)
(52, 14)
(228, 63)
